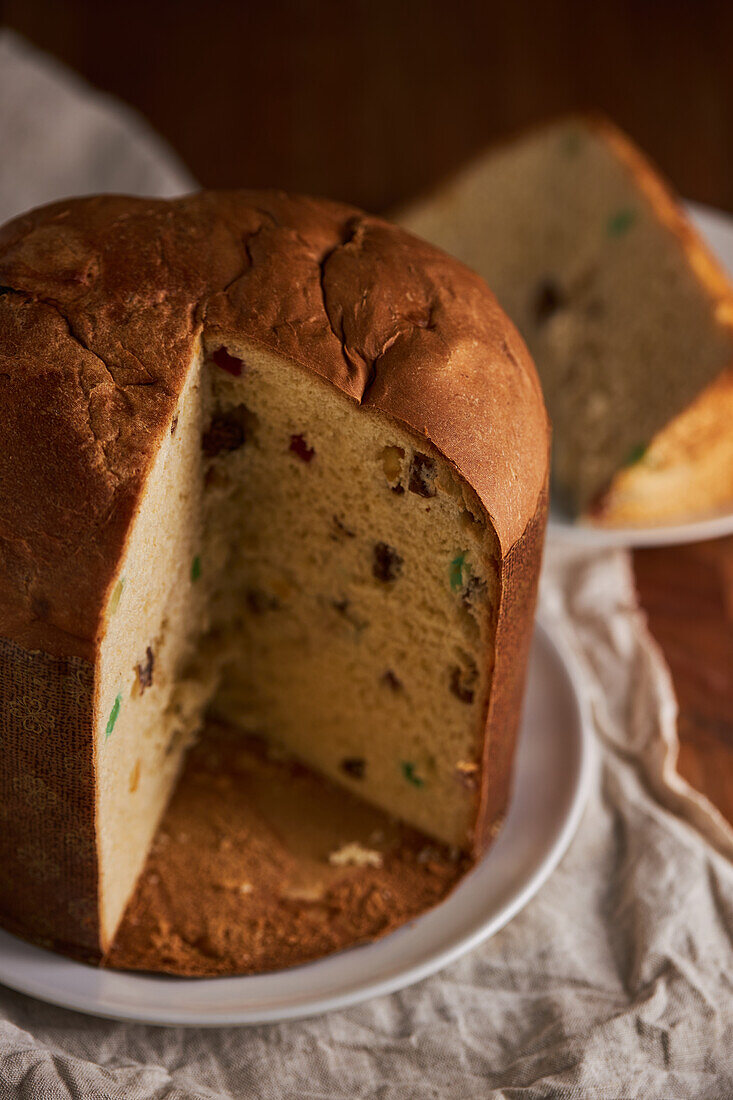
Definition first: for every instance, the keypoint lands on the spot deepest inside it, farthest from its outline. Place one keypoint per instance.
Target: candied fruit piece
(145, 670)
(387, 564)
(474, 591)
(463, 682)
(467, 772)
(392, 461)
(392, 681)
(548, 300)
(259, 601)
(635, 454)
(465, 582)
(116, 596)
(620, 222)
(196, 568)
(113, 716)
(300, 448)
(354, 766)
(227, 362)
(409, 771)
(457, 567)
(227, 431)
(422, 475)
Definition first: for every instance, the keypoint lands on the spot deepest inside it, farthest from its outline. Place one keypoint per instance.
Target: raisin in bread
(266, 456)
(627, 314)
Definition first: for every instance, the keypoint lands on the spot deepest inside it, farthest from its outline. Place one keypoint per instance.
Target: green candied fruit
(116, 596)
(620, 222)
(410, 774)
(457, 567)
(113, 716)
(196, 568)
(635, 454)
(572, 143)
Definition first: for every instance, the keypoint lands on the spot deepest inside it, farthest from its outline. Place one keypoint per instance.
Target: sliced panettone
(262, 456)
(627, 314)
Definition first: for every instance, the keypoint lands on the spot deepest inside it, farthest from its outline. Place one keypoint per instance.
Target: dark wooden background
(372, 101)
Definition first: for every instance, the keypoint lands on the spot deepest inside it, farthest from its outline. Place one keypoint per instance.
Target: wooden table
(370, 101)
(374, 100)
(687, 593)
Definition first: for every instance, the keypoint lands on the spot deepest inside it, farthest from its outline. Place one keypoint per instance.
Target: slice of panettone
(626, 312)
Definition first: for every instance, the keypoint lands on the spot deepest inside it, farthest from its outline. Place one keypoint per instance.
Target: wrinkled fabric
(616, 980)
(60, 138)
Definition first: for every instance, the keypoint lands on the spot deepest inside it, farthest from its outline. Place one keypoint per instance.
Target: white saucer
(584, 536)
(717, 228)
(552, 779)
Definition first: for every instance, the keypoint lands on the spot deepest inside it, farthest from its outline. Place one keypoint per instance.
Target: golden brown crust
(106, 301)
(108, 298)
(520, 573)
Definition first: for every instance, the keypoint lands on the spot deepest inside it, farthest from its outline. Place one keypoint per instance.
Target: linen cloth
(616, 980)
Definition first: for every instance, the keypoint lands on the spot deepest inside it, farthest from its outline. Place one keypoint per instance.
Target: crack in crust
(109, 299)
(336, 324)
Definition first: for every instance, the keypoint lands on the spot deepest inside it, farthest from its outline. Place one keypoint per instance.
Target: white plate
(717, 228)
(552, 778)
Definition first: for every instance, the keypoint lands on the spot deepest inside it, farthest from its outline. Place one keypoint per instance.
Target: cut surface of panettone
(377, 631)
(628, 315)
(259, 863)
(270, 460)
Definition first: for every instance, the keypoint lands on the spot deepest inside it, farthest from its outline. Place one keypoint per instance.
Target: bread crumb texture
(628, 315)
(277, 463)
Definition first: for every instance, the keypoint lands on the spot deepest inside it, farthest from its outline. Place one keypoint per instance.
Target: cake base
(260, 864)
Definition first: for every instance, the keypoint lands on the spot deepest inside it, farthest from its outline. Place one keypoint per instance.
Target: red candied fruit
(145, 670)
(227, 431)
(228, 362)
(300, 448)
(422, 475)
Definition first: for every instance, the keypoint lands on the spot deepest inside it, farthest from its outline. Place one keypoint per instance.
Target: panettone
(628, 316)
(263, 457)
